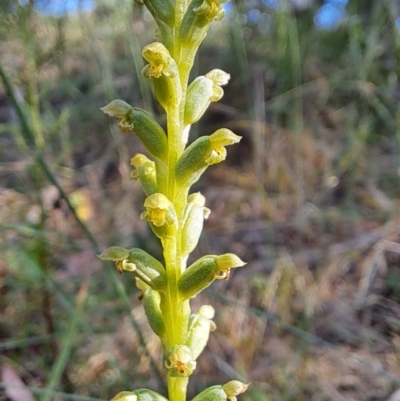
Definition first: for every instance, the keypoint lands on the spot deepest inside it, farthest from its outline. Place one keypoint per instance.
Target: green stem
(177, 388)
(175, 311)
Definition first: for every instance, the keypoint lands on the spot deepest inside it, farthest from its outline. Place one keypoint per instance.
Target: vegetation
(309, 199)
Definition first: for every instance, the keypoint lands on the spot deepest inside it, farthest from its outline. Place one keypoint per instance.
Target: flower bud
(200, 326)
(148, 131)
(201, 92)
(204, 271)
(203, 152)
(214, 393)
(192, 162)
(141, 394)
(117, 108)
(211, 9)
(164, 72)
(144, 266)
(193, 220)
(145, 172)
(219, 77)
(197, 276)
(179, 361)
(197, 20)
(199, 95)
(125, 396)
(234, 388)
(145, 394)
(115, 254)
(227, 392)
(151, 305)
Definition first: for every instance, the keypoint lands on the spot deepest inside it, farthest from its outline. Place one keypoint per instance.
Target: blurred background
(309, 198)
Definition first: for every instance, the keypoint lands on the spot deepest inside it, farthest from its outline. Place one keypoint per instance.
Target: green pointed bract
(150, 133)
(151, 304)
(162, 10)
(200, 326)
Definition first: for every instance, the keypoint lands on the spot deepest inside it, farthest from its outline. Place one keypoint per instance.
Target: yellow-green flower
(211, 9)
(179, 361)
(160, 61)
(159, 210)
(219, 139)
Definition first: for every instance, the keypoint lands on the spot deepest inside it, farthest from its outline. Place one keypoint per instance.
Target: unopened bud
(193, 220)
(138, 121)
(151, 305)
(201, 92)
(226, 392)
(200, 326)
(197, 20)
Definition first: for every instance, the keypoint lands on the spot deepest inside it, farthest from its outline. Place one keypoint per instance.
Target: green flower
(179, 361)
(159, 210)
(211, 9)
(160, 61)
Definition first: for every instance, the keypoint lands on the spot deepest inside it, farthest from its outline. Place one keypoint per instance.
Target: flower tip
(117, 108)
(125, 396)
(235, 387)
(114, 253)
(219, 77)
(229, 260)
